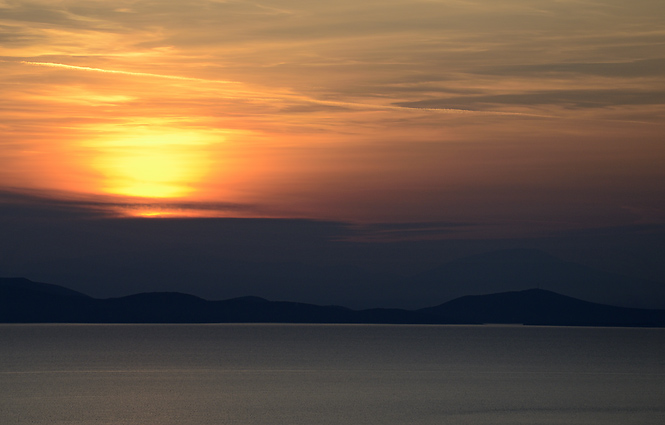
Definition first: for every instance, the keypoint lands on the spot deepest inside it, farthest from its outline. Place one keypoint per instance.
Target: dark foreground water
(330, 374)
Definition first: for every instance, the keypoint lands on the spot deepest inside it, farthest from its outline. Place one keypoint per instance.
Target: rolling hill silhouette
(23, 301)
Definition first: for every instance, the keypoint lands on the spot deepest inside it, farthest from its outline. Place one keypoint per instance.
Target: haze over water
(330, 374)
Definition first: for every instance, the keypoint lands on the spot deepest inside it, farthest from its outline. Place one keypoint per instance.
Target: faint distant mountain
(541, 307)
(520, 269)
(45, 288)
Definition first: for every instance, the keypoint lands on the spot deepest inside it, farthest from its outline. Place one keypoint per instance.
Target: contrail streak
(111, 71)
(262, 96)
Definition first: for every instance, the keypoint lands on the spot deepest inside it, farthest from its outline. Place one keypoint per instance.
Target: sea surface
(330, 374)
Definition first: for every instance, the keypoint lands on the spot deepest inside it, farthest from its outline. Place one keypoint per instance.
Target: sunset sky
(396, 120)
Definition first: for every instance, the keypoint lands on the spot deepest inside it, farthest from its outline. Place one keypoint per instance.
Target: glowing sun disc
(157, 164)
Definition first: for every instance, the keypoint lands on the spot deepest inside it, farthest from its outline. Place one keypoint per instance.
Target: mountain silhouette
(23, 301)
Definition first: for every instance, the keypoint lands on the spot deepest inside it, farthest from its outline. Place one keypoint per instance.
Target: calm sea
(330, 374)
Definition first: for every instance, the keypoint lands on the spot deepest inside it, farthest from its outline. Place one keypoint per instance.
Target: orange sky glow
(521, 117)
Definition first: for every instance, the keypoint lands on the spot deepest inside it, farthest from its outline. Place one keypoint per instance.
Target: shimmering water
(330, 374)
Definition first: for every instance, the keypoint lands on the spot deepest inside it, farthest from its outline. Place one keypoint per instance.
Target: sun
(153, 163)
(155, 173)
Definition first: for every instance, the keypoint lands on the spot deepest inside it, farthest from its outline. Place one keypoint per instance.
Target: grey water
(330, 374)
